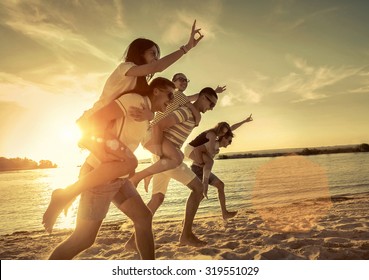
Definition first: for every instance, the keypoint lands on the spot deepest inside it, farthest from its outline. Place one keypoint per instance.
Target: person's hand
(192, 42)
(220, 89)
(249, 119)
(140, 114)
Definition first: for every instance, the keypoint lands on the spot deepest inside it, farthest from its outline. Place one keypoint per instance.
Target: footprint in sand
(209, 251)
(231, 245)
(279, 254)
(229, 256)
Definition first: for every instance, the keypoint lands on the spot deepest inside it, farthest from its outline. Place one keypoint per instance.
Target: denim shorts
(94, 204)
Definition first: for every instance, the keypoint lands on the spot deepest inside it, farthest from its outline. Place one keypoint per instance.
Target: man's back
(185, 123)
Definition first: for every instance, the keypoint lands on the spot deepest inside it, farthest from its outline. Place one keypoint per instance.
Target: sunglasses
(181, 79)
(212, 104)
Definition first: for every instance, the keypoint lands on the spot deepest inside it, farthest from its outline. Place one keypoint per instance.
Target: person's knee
(197, 187)
(133, 163)
(144, 219)
(155, 202)
(177, 160)
(157, 199)
(220, 186)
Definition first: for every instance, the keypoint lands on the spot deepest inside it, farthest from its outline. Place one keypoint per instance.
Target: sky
(300, 67)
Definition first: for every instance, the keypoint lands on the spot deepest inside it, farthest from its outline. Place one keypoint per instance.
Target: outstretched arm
(237, 125)
(166, 61)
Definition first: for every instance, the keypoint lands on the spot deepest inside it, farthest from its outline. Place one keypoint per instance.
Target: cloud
(363, 89)
(288, 17)
(178, 24)
(78, 90)
(304, 82)
(308, 82)
(56, 27)
(239, 93)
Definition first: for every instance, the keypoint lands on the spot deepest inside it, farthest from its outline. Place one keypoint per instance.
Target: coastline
(342, 233)
(362, 148)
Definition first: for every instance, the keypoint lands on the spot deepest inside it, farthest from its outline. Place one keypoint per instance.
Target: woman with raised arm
(141, 63)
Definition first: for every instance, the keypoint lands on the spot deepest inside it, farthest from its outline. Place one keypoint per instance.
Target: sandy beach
(341, 233)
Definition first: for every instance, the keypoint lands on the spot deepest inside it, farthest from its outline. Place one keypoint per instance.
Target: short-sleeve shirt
(115, 85)
(127, 130)
(179, 100)
(178, 133)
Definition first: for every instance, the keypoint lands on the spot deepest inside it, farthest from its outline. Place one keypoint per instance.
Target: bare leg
(141, 216)
(222, 200)
(187, 236)
(154, 204)
(104, 173)
(81, 239)
(206, 172)
(147, 182)
(201, 156)
(172, 157)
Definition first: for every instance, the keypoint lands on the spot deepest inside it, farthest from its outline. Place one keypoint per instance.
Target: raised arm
(166, 61)
(237, 125)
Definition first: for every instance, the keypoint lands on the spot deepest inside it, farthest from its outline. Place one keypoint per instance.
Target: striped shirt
(178, 133)
(179, 100)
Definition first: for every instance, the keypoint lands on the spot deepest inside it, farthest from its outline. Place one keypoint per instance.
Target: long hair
(135, 53)
(219, 127)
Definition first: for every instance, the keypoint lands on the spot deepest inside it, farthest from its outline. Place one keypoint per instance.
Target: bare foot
(57, 203)
(229, 214)
(147, 182)
(191, 240)
(130, 245)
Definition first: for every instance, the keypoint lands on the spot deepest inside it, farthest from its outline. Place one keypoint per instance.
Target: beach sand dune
(342, 233)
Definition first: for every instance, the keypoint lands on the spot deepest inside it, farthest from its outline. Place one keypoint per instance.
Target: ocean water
(249, 183)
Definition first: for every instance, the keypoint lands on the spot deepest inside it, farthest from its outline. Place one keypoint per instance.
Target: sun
(70, 134)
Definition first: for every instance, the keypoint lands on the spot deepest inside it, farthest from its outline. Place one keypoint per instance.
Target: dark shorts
(198, 170)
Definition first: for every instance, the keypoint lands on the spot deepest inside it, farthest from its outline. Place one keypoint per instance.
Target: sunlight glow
(70, 134)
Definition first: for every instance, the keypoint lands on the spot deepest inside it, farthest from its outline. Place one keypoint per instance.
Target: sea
(249, 183)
